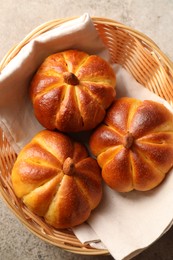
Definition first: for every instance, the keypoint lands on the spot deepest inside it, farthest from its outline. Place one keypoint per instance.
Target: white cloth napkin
(125, 223)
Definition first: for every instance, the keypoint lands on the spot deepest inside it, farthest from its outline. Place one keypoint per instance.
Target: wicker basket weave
(137, 54)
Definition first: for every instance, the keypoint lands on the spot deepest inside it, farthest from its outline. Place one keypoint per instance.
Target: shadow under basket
(140, 56)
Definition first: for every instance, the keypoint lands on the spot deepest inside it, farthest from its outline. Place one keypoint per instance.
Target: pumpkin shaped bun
(72, 90)
(134, 144)
(56, 179)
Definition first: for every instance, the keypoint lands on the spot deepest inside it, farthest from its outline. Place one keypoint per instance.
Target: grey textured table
(17, 19)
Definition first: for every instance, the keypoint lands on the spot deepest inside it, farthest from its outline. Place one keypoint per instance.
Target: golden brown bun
(134, 144)
(56, 179)
(71, 91)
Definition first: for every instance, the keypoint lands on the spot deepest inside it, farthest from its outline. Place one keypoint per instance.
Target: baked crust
(72, 90)
(56, 179)
(134, 144)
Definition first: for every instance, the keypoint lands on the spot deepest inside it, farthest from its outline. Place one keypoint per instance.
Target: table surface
(17, 19)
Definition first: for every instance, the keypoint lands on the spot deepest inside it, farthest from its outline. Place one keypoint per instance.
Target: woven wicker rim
(99, 20)
(149, 55)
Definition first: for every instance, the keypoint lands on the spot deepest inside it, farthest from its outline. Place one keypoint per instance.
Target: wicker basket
(137, 54)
